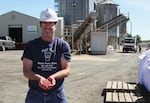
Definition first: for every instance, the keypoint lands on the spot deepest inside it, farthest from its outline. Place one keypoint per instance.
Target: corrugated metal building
(19, 26)
(22, 28)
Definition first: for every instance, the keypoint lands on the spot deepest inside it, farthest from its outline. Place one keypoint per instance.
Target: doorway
(15, 32)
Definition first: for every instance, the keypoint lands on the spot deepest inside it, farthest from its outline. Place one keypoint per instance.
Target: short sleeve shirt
(46, 58)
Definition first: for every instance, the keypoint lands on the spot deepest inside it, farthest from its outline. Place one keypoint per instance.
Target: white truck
(129, 44)
(6, 43)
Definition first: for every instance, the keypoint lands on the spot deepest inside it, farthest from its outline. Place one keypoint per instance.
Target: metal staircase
(120, 19)
(81, 29)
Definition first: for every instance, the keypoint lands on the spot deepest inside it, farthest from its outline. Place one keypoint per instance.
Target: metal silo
(106, 11)
(73, 10)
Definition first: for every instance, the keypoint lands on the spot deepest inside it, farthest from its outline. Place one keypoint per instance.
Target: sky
(138, 11)
(139, 14)
(29, 7)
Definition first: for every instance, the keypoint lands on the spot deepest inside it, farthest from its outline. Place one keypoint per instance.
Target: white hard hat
(48, 15)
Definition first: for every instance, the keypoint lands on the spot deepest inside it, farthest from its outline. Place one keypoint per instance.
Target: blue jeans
(38, 97)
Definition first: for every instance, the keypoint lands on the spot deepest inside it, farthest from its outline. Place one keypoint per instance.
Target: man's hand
(47, 84)
(52, 80)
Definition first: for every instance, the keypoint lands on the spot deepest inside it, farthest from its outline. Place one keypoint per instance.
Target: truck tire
(123, 50)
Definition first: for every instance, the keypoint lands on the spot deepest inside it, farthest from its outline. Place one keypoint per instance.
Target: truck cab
(129, 44)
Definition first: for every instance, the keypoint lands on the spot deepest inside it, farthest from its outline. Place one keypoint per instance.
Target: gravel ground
(88, 78)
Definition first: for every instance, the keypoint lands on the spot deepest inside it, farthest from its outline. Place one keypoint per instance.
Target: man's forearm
(61, 74)
(31, 75)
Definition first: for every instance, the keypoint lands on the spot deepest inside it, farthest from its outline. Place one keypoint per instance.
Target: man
(139, 48)
(46, 62)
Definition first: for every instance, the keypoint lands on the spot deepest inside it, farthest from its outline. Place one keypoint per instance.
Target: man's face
(48, 28)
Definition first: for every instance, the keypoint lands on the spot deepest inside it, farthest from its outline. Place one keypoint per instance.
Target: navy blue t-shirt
(46, 59)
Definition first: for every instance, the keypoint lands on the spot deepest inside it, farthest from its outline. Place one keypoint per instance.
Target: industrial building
(88, 25)
(80, 24)
(74, 13)
(22, 27)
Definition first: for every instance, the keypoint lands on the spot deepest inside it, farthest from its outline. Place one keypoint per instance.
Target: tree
(138, 38)
(129, 35)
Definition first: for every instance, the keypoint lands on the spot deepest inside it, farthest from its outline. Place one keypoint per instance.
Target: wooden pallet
(121, 86)
(123, 92)
(123, 97)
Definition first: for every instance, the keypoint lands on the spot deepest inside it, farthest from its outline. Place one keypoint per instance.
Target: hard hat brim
(49, 20)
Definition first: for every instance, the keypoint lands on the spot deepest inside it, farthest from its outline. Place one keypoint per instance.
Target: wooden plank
(127, 97)
(124, 85)
(109, 85)
(115, 97)
(119, 85)
(121, 97)
(140, 97)
(135, 86)
(133, 97)
(137, 97)
(131, 86)
(114, 85)
(108, 97)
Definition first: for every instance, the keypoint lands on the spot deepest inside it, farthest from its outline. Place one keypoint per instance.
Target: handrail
(81, 29)
(113, 22)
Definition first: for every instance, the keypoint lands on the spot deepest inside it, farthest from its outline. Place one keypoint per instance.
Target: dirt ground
(88, 78)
